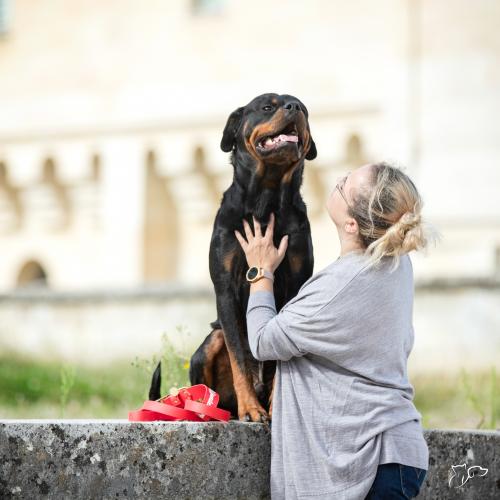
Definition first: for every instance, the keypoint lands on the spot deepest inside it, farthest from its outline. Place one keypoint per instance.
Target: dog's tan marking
(287, 177)
(295, 262)
(211, 351)
(245, 393)
(228, 260)
(259, 169)
(268, 128)
(223, 376)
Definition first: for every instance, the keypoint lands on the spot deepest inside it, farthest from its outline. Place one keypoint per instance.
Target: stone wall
(455, 323)
(118, 459)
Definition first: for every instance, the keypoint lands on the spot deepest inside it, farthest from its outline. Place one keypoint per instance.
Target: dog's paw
(254, 414)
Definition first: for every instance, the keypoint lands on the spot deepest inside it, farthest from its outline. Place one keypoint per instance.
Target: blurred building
(111, 115)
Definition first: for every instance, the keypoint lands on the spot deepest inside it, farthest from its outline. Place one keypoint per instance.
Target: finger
(256, 225)
(270, 227)
(248, 230)
(240, 238)
(283, 245)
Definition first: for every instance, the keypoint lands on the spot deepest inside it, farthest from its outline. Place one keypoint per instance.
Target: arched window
(3, 174)
(209, 178)
(354, 150)
(95, 166)
(161, 231)
(32, 274)
(57, 198)
(11, 212)
(49, 171)
(199, 158)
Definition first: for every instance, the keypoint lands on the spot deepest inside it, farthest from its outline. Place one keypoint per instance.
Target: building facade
(112, 114)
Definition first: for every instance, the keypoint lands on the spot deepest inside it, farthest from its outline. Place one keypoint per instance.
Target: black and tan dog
(269, 139)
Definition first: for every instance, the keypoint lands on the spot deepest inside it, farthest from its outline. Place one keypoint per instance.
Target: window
(32, 275)
(206, 7)
(354, 150)
(4, 16)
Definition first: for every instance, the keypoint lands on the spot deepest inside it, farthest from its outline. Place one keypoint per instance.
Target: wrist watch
(256, 273)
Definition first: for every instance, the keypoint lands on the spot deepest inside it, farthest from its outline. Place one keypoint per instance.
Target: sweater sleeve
(281, 336)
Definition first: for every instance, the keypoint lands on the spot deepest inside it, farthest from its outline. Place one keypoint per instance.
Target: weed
(478, 397)
(67, 375)
(175, 364)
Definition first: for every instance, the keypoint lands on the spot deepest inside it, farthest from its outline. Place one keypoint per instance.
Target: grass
(33, 389)
(462, 401)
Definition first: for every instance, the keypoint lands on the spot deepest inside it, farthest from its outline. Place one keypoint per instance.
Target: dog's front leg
(234, 328)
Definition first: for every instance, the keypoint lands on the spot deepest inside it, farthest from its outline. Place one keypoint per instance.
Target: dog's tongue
(289, 138)
(281, 138)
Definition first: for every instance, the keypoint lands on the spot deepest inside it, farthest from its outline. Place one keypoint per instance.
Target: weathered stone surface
(118, 459)
(472, 448)
(187, 460)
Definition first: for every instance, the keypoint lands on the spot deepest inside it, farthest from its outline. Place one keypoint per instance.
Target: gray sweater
(342, 401)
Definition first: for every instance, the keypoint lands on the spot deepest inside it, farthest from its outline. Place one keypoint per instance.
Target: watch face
(252, 273)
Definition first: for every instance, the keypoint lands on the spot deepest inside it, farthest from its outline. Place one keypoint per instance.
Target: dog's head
(272, 128)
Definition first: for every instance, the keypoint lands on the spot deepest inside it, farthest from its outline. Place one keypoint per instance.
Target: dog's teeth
(269, 141)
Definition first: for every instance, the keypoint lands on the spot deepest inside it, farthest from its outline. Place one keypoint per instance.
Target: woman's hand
(260, 250)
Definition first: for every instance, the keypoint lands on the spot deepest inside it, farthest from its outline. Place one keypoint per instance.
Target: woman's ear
(230, 130)
(351, 226)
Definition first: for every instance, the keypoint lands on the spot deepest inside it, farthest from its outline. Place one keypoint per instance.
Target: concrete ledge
(449, 448)
(117, 459)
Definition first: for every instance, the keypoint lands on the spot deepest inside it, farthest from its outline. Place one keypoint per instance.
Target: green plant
(67, 376)
(175, 364)
(495, 404)
(478, 397)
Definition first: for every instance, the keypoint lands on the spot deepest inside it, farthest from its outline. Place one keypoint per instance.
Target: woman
(344, 425)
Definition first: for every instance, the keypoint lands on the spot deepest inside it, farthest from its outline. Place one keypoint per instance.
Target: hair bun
(409, 220)
(410, 232)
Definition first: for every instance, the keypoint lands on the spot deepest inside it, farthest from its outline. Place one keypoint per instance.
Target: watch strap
(268, 274)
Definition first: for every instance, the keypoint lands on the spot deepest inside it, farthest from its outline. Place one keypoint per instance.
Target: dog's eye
(267, 108)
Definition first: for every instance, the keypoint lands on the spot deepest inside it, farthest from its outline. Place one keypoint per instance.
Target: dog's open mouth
(287, 136)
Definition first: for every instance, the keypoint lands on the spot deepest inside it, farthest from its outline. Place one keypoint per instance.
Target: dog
(269, 140)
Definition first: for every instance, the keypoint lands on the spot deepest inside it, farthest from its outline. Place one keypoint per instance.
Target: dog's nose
(292, 106)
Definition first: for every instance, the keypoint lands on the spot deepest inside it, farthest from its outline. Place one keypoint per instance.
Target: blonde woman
(344, 425)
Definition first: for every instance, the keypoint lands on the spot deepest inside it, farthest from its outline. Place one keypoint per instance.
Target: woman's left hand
(259, 249)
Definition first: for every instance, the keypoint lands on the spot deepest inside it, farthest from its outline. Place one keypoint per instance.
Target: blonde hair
(388, 214)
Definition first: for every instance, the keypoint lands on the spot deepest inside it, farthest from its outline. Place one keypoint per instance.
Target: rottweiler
(269, 140)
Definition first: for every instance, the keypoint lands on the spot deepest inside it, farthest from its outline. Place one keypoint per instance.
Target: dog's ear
(312, 153)
(229, 135)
